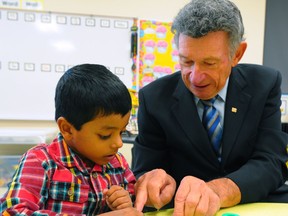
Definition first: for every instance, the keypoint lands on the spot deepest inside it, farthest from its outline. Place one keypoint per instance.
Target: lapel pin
(234, 110)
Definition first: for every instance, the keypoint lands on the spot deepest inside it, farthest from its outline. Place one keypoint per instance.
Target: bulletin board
(158, 54)
(36, 48)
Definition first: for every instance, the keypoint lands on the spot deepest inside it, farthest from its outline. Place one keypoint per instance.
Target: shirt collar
(66, 156)
(222, 94)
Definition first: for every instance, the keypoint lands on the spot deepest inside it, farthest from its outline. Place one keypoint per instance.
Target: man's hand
(155, 188)
(194, 197)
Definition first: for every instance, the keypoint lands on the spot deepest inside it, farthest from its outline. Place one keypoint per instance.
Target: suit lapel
(189, 121)
(237, 102)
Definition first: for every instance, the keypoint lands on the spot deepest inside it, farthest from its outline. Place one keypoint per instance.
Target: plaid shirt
(53, 180)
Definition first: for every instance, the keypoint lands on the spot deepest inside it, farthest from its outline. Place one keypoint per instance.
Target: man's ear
(239, 53)
(65, 128)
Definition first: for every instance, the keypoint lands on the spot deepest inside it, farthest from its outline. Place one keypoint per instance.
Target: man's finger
(141, 193)
(167, 193)
(141, 198)
(179, 203)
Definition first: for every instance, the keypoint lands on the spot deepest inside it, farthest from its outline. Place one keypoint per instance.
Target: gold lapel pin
(234, 110)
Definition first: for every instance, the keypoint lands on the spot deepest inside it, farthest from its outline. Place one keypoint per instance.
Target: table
(252, 209)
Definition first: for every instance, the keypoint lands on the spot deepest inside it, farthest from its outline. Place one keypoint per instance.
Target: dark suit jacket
(171, 135)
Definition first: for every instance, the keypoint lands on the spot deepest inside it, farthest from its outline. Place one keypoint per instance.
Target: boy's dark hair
(87, 91)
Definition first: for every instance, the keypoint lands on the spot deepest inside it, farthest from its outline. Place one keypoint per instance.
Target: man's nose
(197, 76)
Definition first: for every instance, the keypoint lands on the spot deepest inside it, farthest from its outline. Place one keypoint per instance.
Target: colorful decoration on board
(132, 126)
(134, 52)
(158, 55)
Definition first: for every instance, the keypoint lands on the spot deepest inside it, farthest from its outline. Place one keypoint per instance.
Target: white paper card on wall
(29, 67)
(45, 67)
(10, 4)
(119, 70)
(90, 22)
(29, 17)
(13, 65)
(75, 21)
(32, 4)
(121, 24)
(61, 20)
(45, 18)
(284, 108)
(60, 68)
(105, 23)
(12, 16)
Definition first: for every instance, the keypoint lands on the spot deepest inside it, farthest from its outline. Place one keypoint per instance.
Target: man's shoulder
(245, 67)
(256, 76)
(253, 71)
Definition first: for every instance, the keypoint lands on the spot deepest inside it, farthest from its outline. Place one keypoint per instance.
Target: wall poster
(158, 55)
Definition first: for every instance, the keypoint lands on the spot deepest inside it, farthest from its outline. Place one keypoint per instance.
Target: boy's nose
(118, 143)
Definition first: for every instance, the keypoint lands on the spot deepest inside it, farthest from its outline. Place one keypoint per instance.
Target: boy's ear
(65, 128)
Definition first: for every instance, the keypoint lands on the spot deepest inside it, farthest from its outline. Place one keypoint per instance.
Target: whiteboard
(36, 48)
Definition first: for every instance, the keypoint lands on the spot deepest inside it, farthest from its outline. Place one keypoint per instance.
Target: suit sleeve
(149, 151)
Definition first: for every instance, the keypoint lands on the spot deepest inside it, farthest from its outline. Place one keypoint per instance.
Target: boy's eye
(104, 137)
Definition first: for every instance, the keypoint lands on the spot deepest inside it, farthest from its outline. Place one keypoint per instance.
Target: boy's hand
(117, 198)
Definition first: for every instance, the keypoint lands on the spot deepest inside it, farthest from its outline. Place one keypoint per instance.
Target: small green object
(230, 214)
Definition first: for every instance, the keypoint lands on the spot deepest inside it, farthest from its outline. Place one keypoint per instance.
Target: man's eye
(104, 137)
(185, 62)
(210, 63)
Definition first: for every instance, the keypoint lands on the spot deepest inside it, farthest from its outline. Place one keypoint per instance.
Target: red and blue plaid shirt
(53, 180)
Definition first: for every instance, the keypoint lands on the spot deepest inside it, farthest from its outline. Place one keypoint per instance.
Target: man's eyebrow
(211, 58)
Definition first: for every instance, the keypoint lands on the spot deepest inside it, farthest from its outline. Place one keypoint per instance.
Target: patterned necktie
(211, 122)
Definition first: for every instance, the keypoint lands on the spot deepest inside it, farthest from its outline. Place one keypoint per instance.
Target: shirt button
(70, 192)
(94, 175)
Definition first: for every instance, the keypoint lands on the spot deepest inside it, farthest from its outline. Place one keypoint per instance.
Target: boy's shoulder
(44, 151)
(41, 151)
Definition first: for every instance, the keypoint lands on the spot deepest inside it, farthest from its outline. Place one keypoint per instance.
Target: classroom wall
(276, 46)
(253, 13)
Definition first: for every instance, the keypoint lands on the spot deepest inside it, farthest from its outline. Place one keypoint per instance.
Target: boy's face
(99, 139)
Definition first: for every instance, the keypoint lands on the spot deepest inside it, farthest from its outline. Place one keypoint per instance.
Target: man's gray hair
(199, 17)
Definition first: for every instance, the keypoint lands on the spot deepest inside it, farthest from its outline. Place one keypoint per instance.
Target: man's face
(205, 63)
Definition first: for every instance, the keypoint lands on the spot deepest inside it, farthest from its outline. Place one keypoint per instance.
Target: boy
(81, 171)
